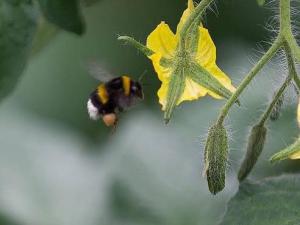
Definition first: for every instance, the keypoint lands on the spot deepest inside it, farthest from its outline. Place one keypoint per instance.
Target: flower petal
(206, 53)
(295, 155)
(164, 74)
(206, 57)
(192, 91)
(163, 94)
(185, 15)
(162, 40)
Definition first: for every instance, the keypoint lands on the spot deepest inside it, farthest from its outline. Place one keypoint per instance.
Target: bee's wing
(98, 71)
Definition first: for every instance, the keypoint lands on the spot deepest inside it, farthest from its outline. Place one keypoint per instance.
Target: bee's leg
(114, 128)
(120, 109)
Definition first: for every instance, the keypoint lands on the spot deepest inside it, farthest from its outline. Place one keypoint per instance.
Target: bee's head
(136, 89)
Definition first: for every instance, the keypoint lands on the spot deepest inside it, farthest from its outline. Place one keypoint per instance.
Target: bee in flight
(112, 97)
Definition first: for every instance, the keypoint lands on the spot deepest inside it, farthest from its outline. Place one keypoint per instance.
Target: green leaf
(17, 29)
(272, 201)
(65, 14)
(46, 31)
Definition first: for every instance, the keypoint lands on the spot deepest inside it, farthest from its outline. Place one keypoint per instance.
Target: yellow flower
(185, 62)
(165, 44)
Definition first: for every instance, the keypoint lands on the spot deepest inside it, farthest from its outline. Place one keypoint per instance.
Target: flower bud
(275, 114)
(216, 152)
(255, 146)
(291, 152)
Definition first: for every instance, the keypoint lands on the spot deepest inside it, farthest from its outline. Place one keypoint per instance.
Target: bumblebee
(113, 97)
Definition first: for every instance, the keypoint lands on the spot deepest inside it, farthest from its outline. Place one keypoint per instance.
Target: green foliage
(19, 39)
(45, 32)
(272, 201)
(17, 29)
(64, 14)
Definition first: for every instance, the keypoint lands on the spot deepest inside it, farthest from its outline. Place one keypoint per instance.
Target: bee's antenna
(142, 76)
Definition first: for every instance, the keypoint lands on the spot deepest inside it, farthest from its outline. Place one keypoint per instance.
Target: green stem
(196, 14)
(292, 74)
(142, 48)
(291, 64)
(286, 28)
(286, 153)
(265, 59)
(293, 51)
(279, 93)
(297, 82)
(285, 17)
(291, 47)
(295, 48)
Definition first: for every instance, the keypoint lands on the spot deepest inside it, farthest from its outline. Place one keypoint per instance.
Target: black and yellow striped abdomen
(106, 96)
(120, 85)
(102, 94)
(116, 95)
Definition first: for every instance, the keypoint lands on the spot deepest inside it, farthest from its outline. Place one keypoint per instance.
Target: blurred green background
(60, 168)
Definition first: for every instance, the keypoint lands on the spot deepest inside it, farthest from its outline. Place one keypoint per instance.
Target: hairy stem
(297, 82)
(291, 75)
(197, 13)
(142, 48)
(285, 17)
(279, 93)
(291, 47)
(295, 48)
(260, 64)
